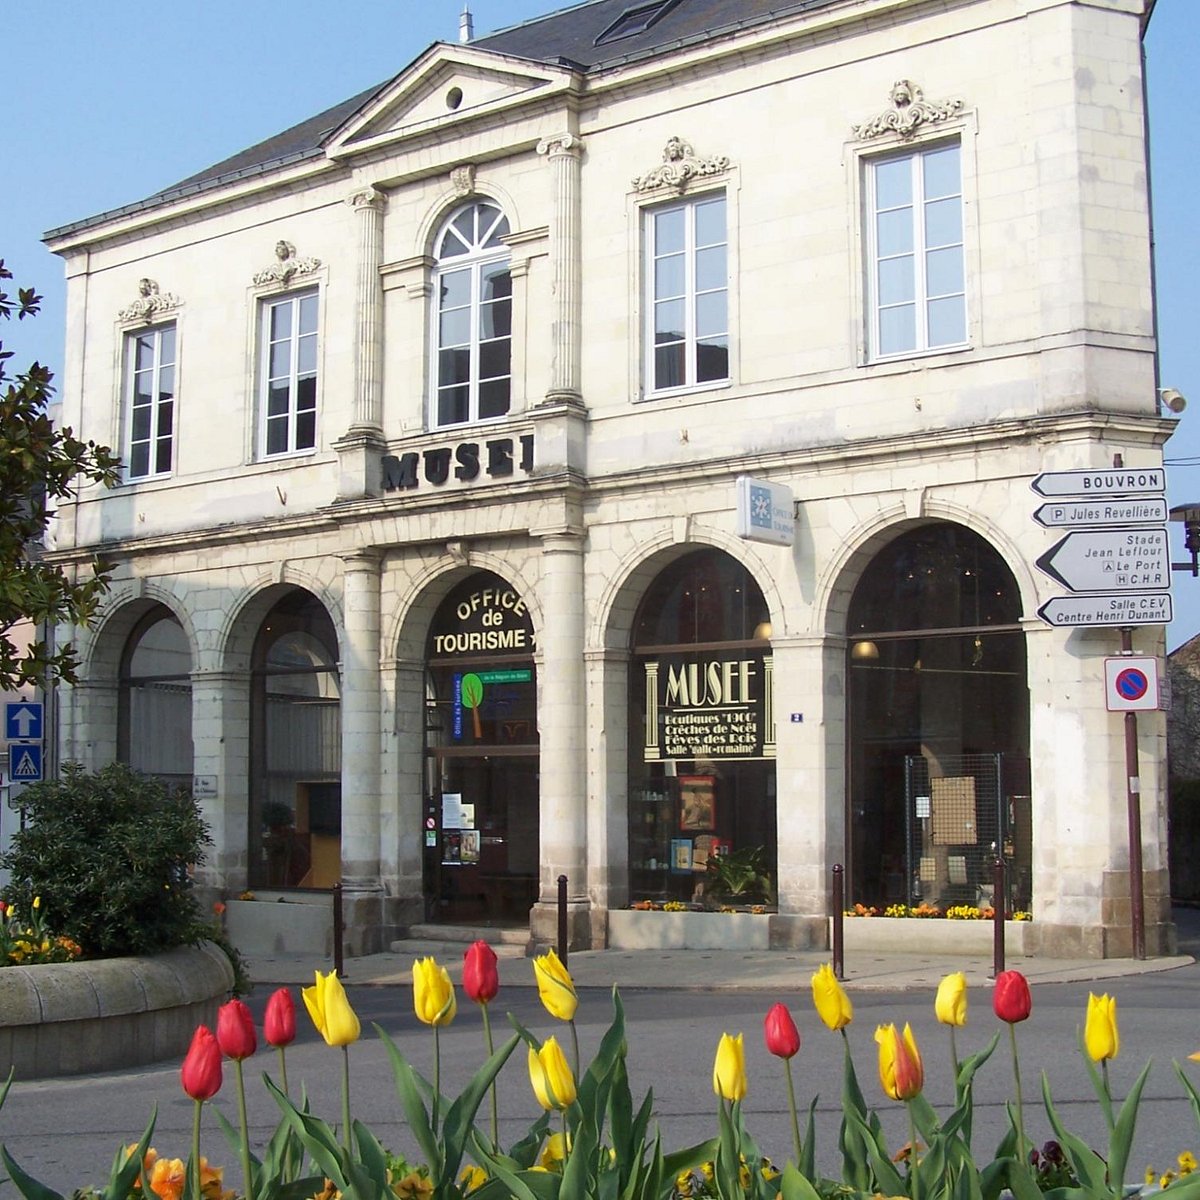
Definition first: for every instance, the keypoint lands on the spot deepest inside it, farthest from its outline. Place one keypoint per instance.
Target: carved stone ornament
(365, 197)
(286, 266)
(151, 303)
(560, 143)
(909, 111)
(462, 179)
(680, 166)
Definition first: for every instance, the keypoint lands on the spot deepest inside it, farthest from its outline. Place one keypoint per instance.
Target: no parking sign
(1131, 684)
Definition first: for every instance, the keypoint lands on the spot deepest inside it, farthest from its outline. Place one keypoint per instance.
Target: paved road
(66, 1131)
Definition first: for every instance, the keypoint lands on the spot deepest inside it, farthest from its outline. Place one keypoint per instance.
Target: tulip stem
(787, 1062)
(194, 1178)
(437, 1076)
(283, 1068)
(1021, 1153)
(913, 1176)
(575, 1046)
(566, 1142)
(487, 1033)
(247, 1177)
(954, 1058)
(346, 1098)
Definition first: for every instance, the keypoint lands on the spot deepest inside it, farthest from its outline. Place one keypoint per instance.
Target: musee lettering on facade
(498, 458)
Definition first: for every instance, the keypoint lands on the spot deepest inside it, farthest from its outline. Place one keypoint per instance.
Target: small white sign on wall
(766, 512)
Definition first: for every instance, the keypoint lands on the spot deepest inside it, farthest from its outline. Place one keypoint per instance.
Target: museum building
(605, 449)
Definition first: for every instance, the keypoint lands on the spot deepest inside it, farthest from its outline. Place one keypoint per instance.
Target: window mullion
(920, 283)
(294, 375)
(473, 367)
(691, 349)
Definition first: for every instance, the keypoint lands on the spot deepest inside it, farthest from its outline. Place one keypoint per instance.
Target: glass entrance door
(484, 867)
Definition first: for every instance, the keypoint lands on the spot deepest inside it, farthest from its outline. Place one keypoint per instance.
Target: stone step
(507, 942)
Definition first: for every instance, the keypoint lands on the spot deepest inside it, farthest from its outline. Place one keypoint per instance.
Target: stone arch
(836, 583)
(123, 607)
(613, 622)
(449, 199)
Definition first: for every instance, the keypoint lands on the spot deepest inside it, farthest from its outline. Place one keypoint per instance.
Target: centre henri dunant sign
(498, 457)
(709, 705)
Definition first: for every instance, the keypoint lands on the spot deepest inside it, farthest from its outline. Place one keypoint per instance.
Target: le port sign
(1110, 560)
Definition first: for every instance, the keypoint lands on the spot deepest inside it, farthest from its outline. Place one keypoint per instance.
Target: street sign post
(1099, 513)
(1110, 560)
(1119, 481)
(1128, 608)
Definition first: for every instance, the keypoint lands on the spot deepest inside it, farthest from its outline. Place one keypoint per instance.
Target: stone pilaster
(360, 449)
(563, 833)
(563, 152)
(361, 744)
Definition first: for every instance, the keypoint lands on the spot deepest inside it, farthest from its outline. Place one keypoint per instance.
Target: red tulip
(780, 1032)
(279, 1021)
(201, 1072)
(235, 1030)
(1011, 999)
(481, 981)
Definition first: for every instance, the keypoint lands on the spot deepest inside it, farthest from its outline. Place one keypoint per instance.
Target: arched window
(295, 748)
(472, 349)
(154, 724)
(939, 723)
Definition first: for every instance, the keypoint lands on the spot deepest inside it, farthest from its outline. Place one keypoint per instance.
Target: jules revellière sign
(710, 706)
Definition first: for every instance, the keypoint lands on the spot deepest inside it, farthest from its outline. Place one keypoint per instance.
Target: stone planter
(640, 929)
(74, 1018)
(928, 935)
(298, 924)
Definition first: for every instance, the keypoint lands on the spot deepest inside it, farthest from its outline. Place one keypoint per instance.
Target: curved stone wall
(73, 1018)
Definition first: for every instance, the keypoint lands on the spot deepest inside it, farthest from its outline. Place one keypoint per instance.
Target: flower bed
(657, 929)
(902, 935)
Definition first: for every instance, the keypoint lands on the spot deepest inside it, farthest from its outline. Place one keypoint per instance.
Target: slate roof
(567, 37)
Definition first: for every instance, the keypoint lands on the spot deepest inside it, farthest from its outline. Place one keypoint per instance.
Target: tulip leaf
(795, 1185)
(1122, 1134)
(1098, 1085)
(371, 1154)
(678, 1161)
(1189, 1087)
(414, 1107)
(29, 1187)
(459, 1117)
(314, 1134)
(128, 1166)
(808, 1150)
(1090, 1169)
(881, 1175)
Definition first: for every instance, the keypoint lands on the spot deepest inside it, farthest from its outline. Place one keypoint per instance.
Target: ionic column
(563, 151)
(360, 722)
(561, 720)
(368, 203)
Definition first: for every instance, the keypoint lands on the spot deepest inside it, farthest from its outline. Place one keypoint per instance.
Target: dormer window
(637, 18)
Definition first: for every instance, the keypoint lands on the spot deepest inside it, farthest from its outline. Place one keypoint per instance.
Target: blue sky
(105, 103)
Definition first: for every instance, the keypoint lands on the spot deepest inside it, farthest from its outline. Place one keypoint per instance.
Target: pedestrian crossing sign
(25, 763)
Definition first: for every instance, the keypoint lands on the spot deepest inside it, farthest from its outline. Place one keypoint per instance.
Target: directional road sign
(23, 720)
(1119, 481)
(1129, 608)
(1131, 684)
(25, 762)
(1110, 560)
(1101, 512)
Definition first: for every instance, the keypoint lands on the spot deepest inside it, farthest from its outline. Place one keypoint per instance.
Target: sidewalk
(708, 970)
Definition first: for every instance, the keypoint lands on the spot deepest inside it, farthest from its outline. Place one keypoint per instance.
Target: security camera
(1174, 400)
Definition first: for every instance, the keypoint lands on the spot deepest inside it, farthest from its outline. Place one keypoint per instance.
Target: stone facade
(594, 481)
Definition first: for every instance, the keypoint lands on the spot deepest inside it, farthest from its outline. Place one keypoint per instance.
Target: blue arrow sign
(23, 720)
(25, 763)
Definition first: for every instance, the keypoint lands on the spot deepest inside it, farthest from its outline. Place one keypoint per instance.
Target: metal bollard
(839, 909)
(562, 919)
(999, 904)
(339, 930)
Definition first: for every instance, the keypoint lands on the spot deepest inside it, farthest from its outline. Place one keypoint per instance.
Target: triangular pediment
(447, 85)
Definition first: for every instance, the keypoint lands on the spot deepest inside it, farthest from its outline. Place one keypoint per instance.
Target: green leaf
(795, 1185)
(457, 1126)
(414, 1107)
(1090, 1169)
(1122, 1134)
(1097, 1082)
(29, 1187)
(127, 1167)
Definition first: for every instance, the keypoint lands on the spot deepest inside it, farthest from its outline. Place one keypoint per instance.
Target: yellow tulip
(433, 993)
(831, 1002)
(553, 1083)
(1100, 1031)
(471, 1178)
(951, 1002)
(729, 1068)
(555, 986)
(330, 1010)
(901, 1071)
(555, 1152)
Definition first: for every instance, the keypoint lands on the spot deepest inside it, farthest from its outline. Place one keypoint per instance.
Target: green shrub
(109, 854)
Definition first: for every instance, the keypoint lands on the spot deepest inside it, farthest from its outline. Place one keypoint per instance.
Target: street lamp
(1189, 515)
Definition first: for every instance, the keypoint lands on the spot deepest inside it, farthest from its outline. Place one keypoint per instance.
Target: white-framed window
(687, 293)
(916, 270)
(150, 402)
(289, 373)
(472, 340)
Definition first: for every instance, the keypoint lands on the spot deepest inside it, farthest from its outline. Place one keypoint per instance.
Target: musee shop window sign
(496, 457)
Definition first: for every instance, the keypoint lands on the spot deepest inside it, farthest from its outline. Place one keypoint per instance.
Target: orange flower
(167, 1178)
(147, 1162)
